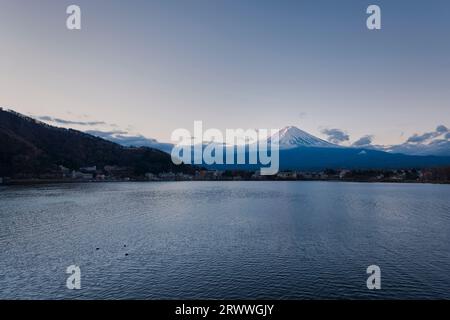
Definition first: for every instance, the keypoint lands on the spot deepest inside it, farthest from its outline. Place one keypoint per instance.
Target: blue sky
(150, 67)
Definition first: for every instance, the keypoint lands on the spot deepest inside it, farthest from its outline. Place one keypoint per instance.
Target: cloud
(428, 136)
(420, 138)
(125, 139)
(435, 142)
(435, 148)
(106, 134)
(115, 134)
(137, 141)
(363, 141)
(336, 135)
(122, 137)
(302, 115)
(70, 122)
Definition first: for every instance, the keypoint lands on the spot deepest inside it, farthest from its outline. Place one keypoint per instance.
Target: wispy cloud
(429, 136)
(363, 141)
(106, 134)
(336, 136)
(435, 142)
(124, 138)
(70, 122)
(302, 115)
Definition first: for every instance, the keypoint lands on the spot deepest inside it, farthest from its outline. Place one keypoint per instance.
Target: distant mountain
(292, 137)
(308, 158)
(288, 138)
(317, 158)
(438, 147)
(300, 150)
(435, 142)
(32, 147)
(132, 141)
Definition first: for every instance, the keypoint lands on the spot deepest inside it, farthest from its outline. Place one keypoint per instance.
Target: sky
(150, 67)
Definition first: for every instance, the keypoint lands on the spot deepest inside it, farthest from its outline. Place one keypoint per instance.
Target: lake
(216, 240)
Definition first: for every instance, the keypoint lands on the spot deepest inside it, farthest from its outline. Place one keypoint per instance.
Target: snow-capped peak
(292, 137)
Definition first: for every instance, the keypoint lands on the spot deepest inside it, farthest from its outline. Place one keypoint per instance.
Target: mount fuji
(300, 150)
(292, 137)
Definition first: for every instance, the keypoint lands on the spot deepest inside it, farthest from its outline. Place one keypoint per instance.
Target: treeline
(29, 147)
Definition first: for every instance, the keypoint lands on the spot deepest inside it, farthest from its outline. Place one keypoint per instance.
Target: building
(151, 177)
(118, 172)
(82, 176)
(91, 169)
(343, 173)
(183, 177)
(167, 176)
(256, 175)
(287, 175)
(65, 172)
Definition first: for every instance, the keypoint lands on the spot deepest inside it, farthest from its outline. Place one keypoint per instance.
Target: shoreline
(32, 182)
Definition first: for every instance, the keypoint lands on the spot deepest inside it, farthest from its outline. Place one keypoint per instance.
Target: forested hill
(30, 147)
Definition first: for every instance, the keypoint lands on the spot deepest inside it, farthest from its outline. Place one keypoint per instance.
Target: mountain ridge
(292, 137)
(435, 148)
(30, 147)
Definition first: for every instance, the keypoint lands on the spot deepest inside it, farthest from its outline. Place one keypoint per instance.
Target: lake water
(274, 240)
